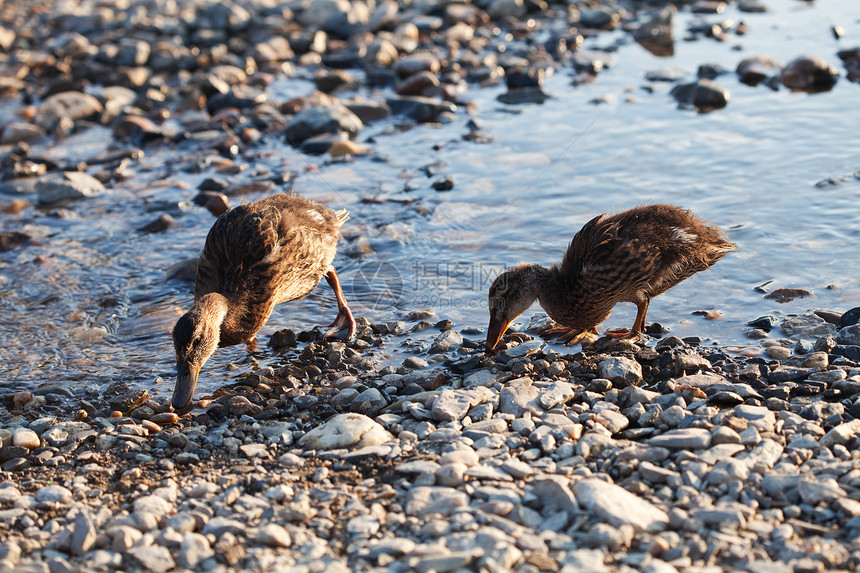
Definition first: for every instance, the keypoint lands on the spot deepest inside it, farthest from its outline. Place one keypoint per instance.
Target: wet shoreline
(463, 138)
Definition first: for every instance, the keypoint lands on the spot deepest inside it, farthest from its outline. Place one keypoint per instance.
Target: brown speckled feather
(264, 253)
(630, 256)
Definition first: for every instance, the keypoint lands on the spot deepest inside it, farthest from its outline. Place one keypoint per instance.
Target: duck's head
(511, 294)
(195, 336)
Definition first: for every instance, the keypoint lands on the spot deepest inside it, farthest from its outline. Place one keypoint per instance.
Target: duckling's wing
(605, 256)
(237, 242)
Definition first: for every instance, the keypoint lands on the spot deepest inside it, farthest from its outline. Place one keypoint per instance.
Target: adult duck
(631, 256)
(256, 256)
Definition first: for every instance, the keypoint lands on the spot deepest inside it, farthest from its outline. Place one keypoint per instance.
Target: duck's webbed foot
(571, 336)
(616, 339)
(343, 326)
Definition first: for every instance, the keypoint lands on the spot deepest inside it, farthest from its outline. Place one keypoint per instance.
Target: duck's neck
(211, 310)
(547, 286)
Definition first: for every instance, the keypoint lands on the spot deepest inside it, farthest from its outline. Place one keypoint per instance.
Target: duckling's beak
(186, 382)
(495, 331)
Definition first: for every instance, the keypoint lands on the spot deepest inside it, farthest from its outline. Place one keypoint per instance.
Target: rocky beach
(725, 441)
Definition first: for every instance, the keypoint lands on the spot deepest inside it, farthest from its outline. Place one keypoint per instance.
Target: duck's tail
(342, 216)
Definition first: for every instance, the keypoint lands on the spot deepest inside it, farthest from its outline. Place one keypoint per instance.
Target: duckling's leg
(344, 321)
(571, 336)
(633, 335)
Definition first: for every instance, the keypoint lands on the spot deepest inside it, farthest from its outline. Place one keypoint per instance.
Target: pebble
(346, 431)
(705, 95)
(56, 187)
(621, 371)
(618, 506)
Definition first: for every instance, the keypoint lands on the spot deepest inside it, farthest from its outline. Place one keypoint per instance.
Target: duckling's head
(511, 294)
(196, 336)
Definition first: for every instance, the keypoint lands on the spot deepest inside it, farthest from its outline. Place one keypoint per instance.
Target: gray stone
(807, 326)
(554, 493)
(683, 439)
(446, 563)
(320, 119)
(193, 550)
(518, 396)
(451, 405)
(219, 525)
(25, 438)
(618, 506)
(621, 371)
(70, 105)
(55, 187)
(814, 490)
(273, 535)
(16, 132)
(767, 452)
(154, 504)
(83, 534)
(153, 557)
(727, 470)
(555, 394)
(345, 431)
(849, 335)
(759, 417)
(840, 434)
(427, 500)
(483, 378)
(445, 342)
(53, 494)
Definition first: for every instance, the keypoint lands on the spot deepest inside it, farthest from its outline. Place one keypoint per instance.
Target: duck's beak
(186, 382)
(495, 331)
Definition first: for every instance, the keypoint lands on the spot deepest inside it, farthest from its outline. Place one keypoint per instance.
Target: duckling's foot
(343, 326)
(616, 339)
(571, 336)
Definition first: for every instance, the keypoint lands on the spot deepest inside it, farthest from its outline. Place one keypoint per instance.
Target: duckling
(256, 256)
(631, 256)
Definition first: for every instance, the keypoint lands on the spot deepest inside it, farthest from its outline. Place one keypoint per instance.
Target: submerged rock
(704, 95)
(56, 187)
(809, 74)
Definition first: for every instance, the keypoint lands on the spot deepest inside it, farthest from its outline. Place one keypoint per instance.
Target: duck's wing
(608, 255)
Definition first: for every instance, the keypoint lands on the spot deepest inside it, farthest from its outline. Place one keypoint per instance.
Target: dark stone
(753, 71)
(213, 184)
(444, 184)
(285, 338)
(305, 401)
(12, 240)
(851, 317)
(159, 225)
(710, 71)
(704, 95)
(530, 77)
(783, 295)
(656, 34)
(850, 352)
(788, 373)
(809, 74)
(420, 109)
(523, 95)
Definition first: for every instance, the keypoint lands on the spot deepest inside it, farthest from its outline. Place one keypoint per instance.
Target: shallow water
(100, 310)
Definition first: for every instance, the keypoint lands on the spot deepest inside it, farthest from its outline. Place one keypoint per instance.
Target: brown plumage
(631, 256)
(256, 256)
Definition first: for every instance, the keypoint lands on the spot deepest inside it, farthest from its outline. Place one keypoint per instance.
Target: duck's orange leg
(343, 326)
(571, 336)
(633, 335)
